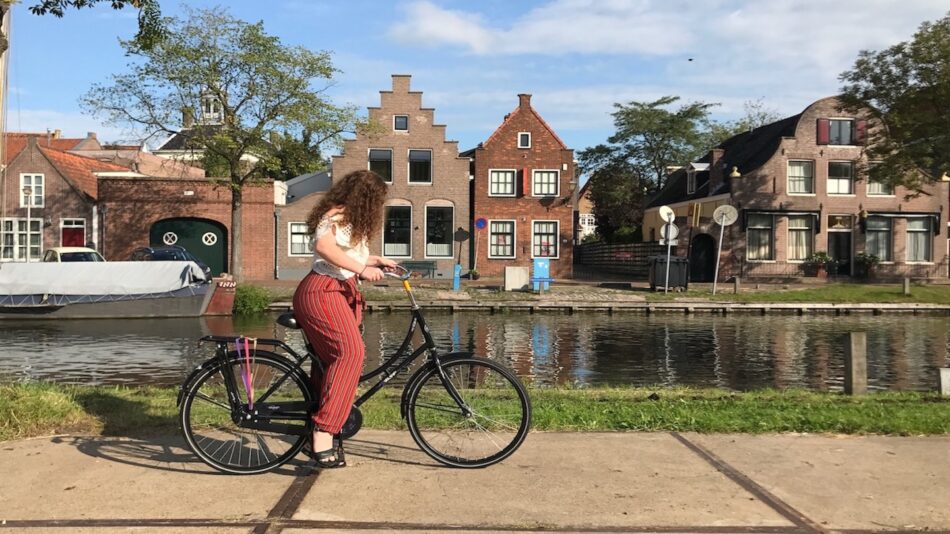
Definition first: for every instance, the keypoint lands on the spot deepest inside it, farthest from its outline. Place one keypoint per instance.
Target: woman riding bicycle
(328, 304)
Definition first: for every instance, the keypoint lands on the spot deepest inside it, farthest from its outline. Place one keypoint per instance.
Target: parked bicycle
(248, 410)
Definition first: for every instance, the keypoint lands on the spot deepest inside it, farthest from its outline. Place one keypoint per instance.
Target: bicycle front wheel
(489, 425)
(209, 424)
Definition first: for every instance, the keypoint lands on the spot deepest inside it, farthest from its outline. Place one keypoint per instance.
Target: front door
(839, 243)
(702, 259)
(207, 240)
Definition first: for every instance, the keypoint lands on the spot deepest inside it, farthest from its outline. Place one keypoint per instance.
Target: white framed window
(37, 187)
(524, 139)
(440, 228)
(919, 239)
(299, 239)
(501, 239)
(502, 182)
(879, 188)
(760, 245)
(879, 234)
(545, 183)
(401, 123)
(801, 237)
(840, 178)
(801, 177)
(381, 162)
(14, 237)
(397, 232)
(690, 182)
(545, 236)
(420, 166)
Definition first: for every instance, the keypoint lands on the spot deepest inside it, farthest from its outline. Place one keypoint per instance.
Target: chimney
(524, 100)
(57, 133)
(715, 169)
(187, 118)
(90, 135)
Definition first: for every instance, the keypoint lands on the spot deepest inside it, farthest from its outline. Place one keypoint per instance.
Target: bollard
(945, 381)
(907, 286)
(735, 285)
(856, 364)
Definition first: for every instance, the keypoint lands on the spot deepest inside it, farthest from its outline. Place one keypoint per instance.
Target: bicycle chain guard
(353, 424)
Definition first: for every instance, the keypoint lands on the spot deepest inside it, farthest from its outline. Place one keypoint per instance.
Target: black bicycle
(248, 410)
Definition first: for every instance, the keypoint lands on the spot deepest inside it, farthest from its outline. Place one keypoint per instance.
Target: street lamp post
(28, 191)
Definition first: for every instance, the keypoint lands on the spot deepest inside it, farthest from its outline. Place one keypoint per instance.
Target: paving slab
(122, 478)
(555, 480)
(848, 482)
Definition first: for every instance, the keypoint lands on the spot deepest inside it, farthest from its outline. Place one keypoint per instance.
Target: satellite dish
(666, 213)
(725, 215)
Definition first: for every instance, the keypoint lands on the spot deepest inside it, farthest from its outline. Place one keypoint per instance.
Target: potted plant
(817, 264)
(865, 263)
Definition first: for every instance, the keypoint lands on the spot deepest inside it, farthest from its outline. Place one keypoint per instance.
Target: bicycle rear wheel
(214, 436)
(498, 418)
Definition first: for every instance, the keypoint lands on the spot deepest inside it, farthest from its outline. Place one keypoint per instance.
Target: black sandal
(331, 458)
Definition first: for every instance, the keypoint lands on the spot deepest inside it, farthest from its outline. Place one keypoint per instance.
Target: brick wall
(294, 267)
(546, 152)
(61, 199)
(131, 206)
(450, 182)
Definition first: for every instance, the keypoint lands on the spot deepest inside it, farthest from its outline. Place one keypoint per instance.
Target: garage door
(205, 239)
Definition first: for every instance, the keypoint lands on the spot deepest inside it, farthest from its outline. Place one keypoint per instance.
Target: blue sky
(471, 59)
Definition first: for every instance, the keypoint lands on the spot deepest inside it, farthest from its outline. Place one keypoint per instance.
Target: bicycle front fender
(411, 383)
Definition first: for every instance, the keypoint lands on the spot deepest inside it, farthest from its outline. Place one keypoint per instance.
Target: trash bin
(679, 269)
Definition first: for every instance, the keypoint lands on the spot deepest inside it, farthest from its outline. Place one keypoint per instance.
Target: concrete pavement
(565, 482)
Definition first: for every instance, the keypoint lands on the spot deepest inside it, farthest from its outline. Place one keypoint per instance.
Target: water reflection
(736, 352)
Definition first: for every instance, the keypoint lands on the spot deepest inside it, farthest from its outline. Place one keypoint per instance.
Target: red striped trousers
(329, 311)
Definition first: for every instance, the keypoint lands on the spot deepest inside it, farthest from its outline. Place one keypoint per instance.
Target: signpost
(480, 224)
(461, 236)
(724, 216)
(669, 232)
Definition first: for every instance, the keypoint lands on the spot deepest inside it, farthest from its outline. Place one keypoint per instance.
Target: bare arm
(329, 250)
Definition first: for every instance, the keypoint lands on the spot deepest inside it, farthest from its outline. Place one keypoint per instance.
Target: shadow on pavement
(388, 452)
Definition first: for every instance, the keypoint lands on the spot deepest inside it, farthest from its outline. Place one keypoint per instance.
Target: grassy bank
(43, 409)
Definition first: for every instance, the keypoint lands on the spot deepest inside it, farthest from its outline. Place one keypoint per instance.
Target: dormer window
(690, 181)
(841, 132)
(401, 123)
(524, 139)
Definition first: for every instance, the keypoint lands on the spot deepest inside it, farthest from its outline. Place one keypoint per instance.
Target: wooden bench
(423, 268)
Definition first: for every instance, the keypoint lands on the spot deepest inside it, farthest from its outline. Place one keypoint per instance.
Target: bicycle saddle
(288, 320)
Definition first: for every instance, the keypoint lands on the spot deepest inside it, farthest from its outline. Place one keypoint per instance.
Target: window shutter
(860, 132)
(525, 182)
(824, 131)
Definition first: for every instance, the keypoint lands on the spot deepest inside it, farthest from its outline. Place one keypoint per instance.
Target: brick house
(61, 209)
(800, 187)
(429, 182)
(523, 186)
(294, 244)
(586, 222)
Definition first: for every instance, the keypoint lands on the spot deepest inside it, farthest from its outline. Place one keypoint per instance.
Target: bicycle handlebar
(399, 276)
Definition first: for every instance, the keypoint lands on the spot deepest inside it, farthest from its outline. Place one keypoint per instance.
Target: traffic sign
(669, 231)
(667, 214)
(725, 215)
(481, 223)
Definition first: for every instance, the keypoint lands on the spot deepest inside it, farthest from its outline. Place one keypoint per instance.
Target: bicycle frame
(265, 412)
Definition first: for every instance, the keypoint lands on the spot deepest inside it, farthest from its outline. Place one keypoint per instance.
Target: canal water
(737, 352)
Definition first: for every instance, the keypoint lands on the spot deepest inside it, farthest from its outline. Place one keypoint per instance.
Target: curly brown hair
(361, 194)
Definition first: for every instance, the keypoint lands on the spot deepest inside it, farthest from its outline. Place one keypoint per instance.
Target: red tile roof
(14, 145)
(79, 170)
(43, 140)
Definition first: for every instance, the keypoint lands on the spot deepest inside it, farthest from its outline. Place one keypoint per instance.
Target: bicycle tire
(500, 419)
(206, 427)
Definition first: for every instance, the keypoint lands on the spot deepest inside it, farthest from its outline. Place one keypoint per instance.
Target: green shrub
(250, 299)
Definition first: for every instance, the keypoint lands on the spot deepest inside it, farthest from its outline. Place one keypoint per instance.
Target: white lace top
(359, 252)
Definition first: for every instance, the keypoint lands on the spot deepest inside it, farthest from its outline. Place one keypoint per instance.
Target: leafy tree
(756, 115)
(151, 26)
(652, 138)
(260, 84)
(297, 155)
(617, 189)
(907, 88)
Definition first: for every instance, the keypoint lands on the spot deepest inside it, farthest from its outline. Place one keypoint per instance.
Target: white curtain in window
(879, 237)
(800, 177)
(918, 240)
(799, 237)
(759, 234)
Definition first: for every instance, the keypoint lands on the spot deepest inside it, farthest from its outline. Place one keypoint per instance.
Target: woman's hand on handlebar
(372, 274)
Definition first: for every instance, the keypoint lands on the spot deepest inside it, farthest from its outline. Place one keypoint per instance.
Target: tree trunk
(237, 232)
